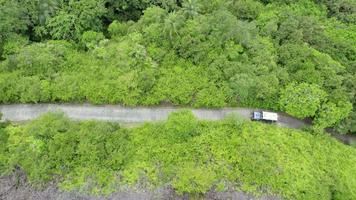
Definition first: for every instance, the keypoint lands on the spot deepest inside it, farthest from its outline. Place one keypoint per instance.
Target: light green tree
(302, 100)
(91, 39)
(330, 113)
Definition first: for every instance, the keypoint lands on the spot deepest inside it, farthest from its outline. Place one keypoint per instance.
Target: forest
(293, 56)
(189, 155)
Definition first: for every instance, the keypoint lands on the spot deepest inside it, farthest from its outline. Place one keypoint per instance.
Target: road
(136, 115)
(126, 115)
(129, 115)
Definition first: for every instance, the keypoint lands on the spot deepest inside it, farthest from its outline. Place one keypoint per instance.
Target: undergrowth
(191, 156)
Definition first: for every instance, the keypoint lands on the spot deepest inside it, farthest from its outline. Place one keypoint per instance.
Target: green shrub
(196, 53)
(181, 126)
(3, 148)
(69, 88)
(14, 44)
(212, 96)
(178, 85)
(30, 89)
(117, 28)
(190, 155)
(91, 39)
(193, 180)
(41, 59)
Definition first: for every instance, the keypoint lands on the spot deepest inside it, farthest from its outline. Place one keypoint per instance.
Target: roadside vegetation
(294, 56)
(189, 155)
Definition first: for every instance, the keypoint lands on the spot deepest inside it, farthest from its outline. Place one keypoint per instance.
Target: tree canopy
(190, 52)
(302, 100)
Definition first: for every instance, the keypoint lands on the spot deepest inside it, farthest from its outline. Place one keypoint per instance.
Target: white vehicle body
(264, 116)
(270, 116)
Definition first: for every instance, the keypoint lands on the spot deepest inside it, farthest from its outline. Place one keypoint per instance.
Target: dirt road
(126, 115)
(25, 112)
(136, 115)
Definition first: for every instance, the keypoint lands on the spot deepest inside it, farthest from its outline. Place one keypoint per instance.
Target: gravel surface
(131, 116)
(24, 112)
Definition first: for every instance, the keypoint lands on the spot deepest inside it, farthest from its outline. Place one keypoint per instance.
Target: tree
(91, 39)
(38, 12)
(191, 8)
(330, 113)
(171, 24)
(348, 125)
(345, 10)
(151, 15)
(13, 20)
(76, 18)
(306, 64)
(132, 9)
(184, 52)
(41, 59)
(241, 86)
(117, 28)
(245, 9)
(302, 100)
(30, 89)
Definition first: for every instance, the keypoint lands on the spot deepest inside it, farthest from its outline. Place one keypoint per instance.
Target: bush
(117, 28)
(41, 59)
(3, 148)
(14, 44)
(178, 85)
(181, 126)
(30, 89)
(8, 87)
(212, 97)
(193, 53)
(193, 180)
(91, 39)
(190, 155)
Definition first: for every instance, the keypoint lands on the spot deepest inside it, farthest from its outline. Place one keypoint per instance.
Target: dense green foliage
(191, 52)
(189, 155)
(3, 146)
(302, 100)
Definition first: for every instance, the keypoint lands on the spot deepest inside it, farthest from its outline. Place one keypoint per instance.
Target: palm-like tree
(191, 8)
(45, 9)
(171, 24)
